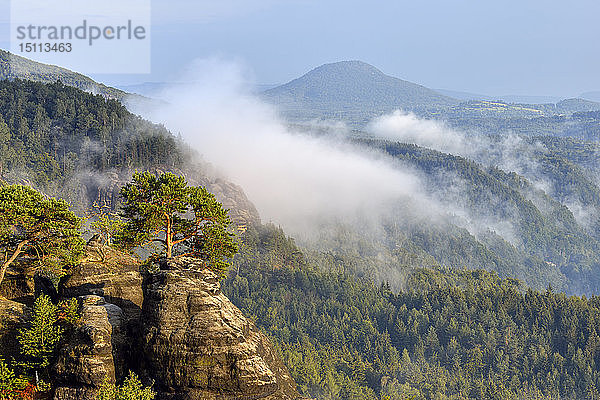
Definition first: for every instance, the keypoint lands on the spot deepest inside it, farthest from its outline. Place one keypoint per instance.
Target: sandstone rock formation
(110, 274)
(173, 327)
(18, 283)
(93, 352)
(118, 281)
(198, 345)
(241, 211)
(13, 316)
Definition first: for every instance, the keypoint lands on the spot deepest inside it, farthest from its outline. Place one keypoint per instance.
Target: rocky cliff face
(198, 345)
(241, 211)
(18, 284)
(13, 316)
(110, 274)
(174, 327)
(94, 352)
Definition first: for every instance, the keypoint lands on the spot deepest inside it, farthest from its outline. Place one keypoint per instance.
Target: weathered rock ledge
(94, 352)
(13, 317)
(172, 326)
(197, 345)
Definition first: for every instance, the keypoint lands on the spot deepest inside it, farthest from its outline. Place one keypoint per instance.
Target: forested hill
(83, 147)
(49, 131)
(356, 84)
(355, 92)
(16, 67)
(52, 134)
(514, 227)
(352, 90)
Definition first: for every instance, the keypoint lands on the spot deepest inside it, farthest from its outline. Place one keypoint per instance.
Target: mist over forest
(394, 241)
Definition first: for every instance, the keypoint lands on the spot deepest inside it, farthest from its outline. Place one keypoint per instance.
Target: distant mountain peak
(356, 65)
(350, 90)
(353, 69)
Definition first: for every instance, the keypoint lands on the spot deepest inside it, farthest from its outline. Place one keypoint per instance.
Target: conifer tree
(182, 220)
(41, 229)
(39, 340)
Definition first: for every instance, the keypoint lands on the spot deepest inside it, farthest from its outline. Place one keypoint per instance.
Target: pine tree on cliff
(43, 231)
(182, 220)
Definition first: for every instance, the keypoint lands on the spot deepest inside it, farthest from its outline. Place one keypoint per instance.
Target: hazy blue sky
(492, 47)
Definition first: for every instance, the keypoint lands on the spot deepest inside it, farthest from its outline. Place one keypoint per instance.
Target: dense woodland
(550, 245)
(453, 334)
(50, 132)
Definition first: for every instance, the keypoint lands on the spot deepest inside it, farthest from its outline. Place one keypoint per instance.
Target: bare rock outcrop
(241, 210)
(115, 277)
(198, 345)
(18, 283)
(110, 274)
(172, 326)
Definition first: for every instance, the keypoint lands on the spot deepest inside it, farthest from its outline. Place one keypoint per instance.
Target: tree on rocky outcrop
(39, 339)
(106, 226)
(182, 220)
(41, 230)
(131, 389)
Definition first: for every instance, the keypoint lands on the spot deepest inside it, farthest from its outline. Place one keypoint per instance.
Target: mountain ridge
(360, 69)
(13, 66)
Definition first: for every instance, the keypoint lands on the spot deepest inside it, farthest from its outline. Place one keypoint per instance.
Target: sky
(526, 47)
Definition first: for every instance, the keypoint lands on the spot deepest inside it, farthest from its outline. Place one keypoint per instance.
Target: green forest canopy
(453, 334)
(49, 132)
